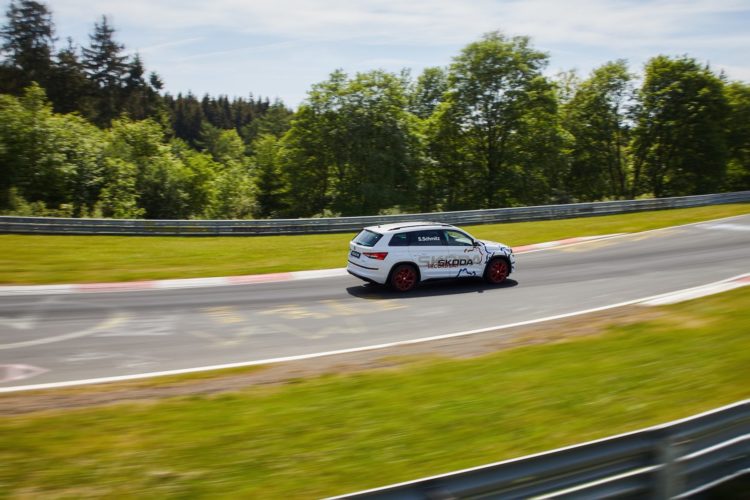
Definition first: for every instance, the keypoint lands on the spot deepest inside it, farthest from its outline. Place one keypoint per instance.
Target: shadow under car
(432, 288)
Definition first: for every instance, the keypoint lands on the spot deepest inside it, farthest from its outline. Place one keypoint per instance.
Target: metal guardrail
(675, 460)
(52, 225)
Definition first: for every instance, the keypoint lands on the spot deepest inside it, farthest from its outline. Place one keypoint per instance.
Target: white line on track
(123, 378)
(728, 227)
(104, 325)
(699, 291)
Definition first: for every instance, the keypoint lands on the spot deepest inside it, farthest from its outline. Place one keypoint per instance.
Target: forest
(87, 131)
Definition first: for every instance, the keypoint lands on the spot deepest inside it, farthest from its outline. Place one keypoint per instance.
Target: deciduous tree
(350, 146)
(597, 117)
(495, 89)
(738, 95)
(680, 140)
(270, 185)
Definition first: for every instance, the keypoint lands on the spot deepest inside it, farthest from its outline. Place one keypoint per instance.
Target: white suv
(403, 254)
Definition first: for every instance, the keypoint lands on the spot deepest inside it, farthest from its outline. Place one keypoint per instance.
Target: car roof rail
(420, 224)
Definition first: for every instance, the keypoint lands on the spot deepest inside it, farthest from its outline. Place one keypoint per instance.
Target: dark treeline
(188, 115)
(86, 131)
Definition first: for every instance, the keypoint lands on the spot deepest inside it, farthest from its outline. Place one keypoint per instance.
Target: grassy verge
(340, 433)
(85, 259)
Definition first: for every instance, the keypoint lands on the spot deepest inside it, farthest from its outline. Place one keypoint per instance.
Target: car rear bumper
(372, 275)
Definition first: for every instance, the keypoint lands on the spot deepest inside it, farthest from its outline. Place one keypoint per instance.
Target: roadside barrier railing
(676, 460)
(53, 225)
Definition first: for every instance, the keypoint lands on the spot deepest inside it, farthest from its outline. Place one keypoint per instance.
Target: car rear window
(367, 238)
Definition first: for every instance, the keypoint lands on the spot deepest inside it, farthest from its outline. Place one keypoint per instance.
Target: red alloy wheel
(404, 278)
(497, 271)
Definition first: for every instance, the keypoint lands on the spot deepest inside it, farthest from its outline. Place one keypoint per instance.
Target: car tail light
(376, 255)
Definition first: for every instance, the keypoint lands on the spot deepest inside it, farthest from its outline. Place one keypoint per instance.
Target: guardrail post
(669, 479)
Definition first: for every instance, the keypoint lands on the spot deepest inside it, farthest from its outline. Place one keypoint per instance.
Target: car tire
(497, 271)
(404, 278)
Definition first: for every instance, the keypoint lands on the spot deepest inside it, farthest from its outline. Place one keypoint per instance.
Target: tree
(224, 146)
(107, 68)
(568, 83)
(270, 187)
(103, 59)
(101, 84)
(738, 96)
(428, 92)
(28, 41)
(232, 194)
(275, 121)
(48, 158)
(305, 159)
(83, 149)
(538, 153)
(350, 148)
(139, 99)
(229, 191)
(680, 141)
(597, 118)
(188, 114)
(164, 184)
(187, 117)
(119, 197)
(69, 89)
(495, 87)
(446, 179)
(155, 81)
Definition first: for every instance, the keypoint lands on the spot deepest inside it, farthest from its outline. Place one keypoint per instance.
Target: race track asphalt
(62, 338)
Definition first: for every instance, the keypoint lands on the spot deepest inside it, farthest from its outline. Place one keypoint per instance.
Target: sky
(279, 48)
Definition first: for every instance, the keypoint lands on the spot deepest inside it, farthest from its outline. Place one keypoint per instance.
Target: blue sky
(279, 48)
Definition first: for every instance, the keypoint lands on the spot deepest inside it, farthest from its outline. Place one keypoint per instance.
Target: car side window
(429, 238)
(457, 238)
(399, 240)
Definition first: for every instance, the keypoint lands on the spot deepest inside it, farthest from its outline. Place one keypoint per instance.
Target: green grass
(341, 433)
(36, 259)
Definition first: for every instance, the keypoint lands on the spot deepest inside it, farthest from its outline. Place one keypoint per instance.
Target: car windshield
(367, 238)
(457, 238)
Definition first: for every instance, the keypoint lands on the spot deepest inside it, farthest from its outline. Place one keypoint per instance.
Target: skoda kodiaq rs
(403, 254)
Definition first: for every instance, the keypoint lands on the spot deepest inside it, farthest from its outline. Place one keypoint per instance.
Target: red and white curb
(173, 284)
(562, 243)
(139, 286)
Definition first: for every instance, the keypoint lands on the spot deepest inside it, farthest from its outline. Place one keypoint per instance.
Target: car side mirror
(476, 243)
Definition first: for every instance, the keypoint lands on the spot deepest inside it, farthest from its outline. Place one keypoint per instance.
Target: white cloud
(741, 73)
(236, 51)
(169, 45)
(419, 21)
(267, 36)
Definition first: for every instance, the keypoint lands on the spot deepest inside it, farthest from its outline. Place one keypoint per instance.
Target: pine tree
(107, 68)
(187, 117)
(135, 73)
(137, 100)
(155, 81)
(68, 88)
(103, 59)
(27, 41)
